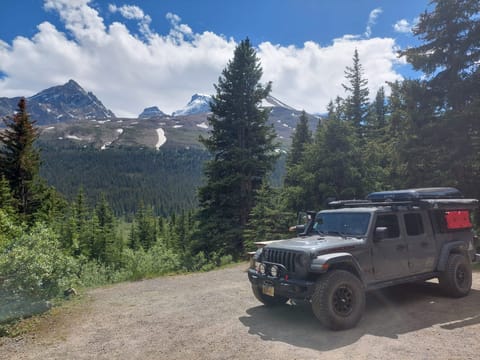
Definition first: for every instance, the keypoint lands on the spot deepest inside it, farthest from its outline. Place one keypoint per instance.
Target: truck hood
(317, 244)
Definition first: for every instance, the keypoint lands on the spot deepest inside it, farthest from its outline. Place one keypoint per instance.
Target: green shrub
(33, 266)
(158, 260)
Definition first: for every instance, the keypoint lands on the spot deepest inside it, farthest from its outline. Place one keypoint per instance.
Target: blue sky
(134, 54)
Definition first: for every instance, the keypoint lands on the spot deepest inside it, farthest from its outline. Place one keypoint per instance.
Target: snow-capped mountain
(150, 112)
(199, 103)
(58, 104)
(54, 106)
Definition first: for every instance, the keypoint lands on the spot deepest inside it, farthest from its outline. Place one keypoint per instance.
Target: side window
(391, 223)
(414, 224)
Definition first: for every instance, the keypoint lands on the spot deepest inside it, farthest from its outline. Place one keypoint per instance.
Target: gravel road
(215, 316)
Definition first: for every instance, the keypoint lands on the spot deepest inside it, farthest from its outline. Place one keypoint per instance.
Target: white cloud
(402, 26)
(128, 73)
(133, 12)
(309, 77)
(82, 20)
(372, 20)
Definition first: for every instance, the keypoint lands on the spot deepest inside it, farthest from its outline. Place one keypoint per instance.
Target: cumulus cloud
(129, 73)
(309, 77)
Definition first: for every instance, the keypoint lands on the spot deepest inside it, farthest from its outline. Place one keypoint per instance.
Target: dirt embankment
(215, 316)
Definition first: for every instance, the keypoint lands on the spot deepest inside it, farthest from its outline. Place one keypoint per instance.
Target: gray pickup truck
(392, 237)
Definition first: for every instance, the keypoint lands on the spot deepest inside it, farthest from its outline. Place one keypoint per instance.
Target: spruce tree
(242, 148)
(20, 160)
(450, 52)
(379, 111)
(269, 220)
(107, 246)
(335, 161)
(6, 198)
(300, 139)
(294, 194)
(357, 95)
(144, 228)
(449, 57)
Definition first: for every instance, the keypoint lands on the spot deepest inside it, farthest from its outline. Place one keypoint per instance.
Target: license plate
(268, 290)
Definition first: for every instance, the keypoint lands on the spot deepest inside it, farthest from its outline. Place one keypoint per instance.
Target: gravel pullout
(215, 316)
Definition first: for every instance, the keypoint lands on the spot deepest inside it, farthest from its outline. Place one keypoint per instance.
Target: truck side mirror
(381, 233)
(298, 228)
(302, 217)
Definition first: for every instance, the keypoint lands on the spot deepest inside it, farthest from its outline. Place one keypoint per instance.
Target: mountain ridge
(67, 114)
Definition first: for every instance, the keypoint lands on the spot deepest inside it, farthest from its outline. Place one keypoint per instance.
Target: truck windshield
(344, 224)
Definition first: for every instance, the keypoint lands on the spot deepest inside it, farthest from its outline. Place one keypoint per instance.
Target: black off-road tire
(456, 280)
(268, 300)
(338, 300)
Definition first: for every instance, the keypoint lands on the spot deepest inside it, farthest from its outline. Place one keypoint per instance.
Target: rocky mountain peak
(199, 103)
(150, 112)
(60, 103)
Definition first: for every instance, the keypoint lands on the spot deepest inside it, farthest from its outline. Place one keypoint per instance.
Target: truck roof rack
(445, 198)
(416, 194)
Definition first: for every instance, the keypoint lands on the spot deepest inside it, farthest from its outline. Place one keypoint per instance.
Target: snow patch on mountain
(162, 139)
(73, 137)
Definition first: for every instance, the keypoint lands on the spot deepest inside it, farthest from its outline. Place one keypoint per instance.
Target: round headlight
(262, 269)
(274, 270)
(303, 260)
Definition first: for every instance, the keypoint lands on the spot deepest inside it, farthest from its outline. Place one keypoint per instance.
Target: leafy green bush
(33, 265)
(156, 261)
(204, 262)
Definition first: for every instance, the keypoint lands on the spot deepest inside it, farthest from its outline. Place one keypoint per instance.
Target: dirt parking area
(215, 316)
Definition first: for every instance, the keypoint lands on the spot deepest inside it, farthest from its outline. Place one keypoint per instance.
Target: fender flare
(322, 263)
(455, 246)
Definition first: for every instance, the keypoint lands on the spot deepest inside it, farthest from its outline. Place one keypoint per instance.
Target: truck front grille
(283, 257)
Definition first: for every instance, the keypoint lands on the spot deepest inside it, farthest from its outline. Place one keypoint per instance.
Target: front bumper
(291, 288)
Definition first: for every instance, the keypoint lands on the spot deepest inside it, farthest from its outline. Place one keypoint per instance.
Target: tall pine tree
(19, 160)
(450, 57)
(294, 192)
(300, 139)
(450, 52)
(357, 95)
(242, 147)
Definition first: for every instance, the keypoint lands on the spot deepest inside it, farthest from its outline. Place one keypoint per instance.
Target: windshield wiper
(334, 232)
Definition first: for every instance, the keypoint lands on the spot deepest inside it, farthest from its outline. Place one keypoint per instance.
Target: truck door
(390, 254)
(421, 245)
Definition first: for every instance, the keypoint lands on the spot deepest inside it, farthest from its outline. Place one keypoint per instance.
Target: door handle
(401, 247)
(424, 244)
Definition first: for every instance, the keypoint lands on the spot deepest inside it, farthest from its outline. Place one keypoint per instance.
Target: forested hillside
(166, 180)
